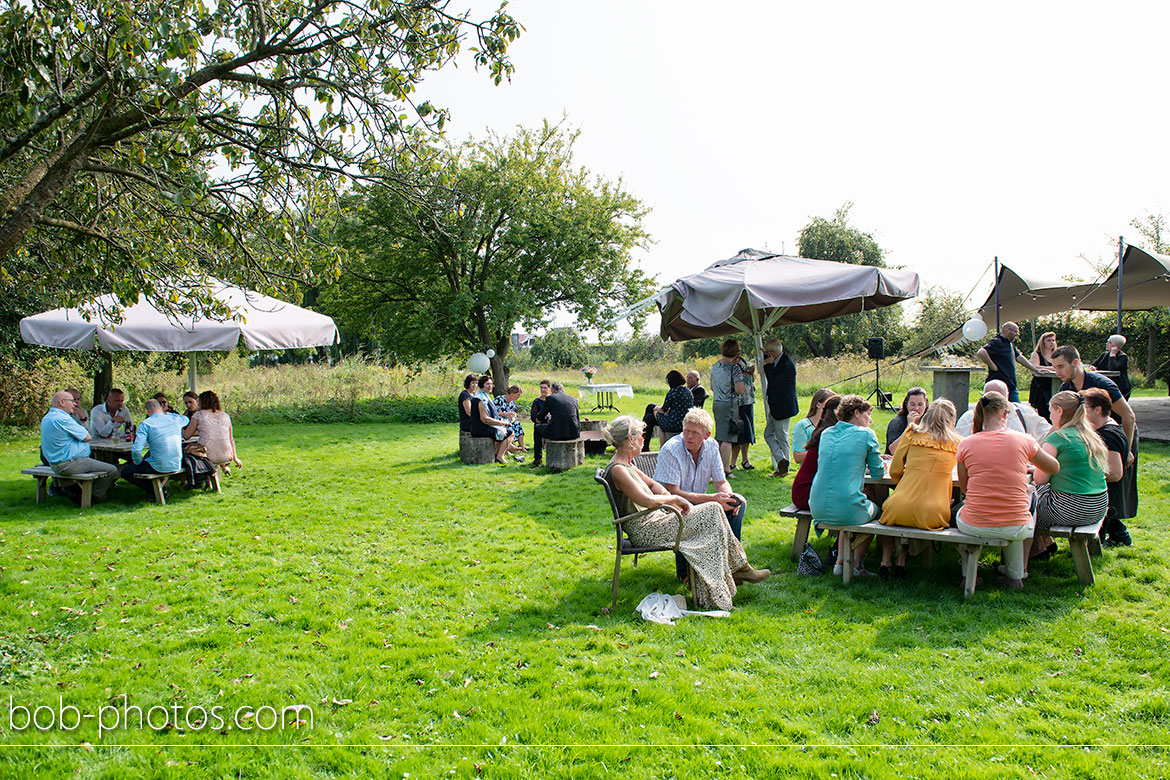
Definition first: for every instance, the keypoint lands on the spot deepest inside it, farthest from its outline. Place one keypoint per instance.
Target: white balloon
(479, 363)
(974, 328)
(491, 353)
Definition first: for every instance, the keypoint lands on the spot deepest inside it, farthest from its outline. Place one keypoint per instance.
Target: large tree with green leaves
(835, 239)
(150, 141)
(493, 233)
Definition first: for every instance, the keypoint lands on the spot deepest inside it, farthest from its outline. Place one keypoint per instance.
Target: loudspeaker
(877, 348)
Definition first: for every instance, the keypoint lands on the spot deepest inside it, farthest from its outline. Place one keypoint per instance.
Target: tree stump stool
(594, 425)
(474, 450)
(564, 455)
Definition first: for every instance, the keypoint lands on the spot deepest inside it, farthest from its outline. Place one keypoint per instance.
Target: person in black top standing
(1040, 393)
(780, 372)
(1000, 355)
(1113, 359)
(559, 422)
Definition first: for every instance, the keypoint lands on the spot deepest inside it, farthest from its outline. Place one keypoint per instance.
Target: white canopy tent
(263, 322)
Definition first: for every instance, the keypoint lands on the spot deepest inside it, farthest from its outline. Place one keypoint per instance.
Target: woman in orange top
(922, 465)
(993, 472)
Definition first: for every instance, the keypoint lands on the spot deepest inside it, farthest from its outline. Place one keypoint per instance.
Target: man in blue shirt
(64, 447)
(161, 434)
(1000, 355)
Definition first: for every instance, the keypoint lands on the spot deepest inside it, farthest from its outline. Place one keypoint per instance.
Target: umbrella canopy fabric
(263, 322)
(755, 291)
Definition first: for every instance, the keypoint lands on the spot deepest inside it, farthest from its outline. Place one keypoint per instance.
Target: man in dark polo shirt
(1000, 355)
(1066, 362)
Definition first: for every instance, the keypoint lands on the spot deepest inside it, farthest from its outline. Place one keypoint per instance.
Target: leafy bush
(560, 348)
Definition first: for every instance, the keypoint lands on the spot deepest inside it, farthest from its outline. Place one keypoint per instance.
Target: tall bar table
(954, 384)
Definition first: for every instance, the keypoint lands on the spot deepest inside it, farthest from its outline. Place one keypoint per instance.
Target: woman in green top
(1076, 495)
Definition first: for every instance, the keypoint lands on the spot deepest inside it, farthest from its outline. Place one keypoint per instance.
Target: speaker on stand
(876, 348)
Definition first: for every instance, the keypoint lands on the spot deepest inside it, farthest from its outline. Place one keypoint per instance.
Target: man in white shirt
(105, 418)
(1025, 419)
(688, 464)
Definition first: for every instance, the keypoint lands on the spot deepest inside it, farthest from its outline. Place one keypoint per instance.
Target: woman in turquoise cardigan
(846, 451)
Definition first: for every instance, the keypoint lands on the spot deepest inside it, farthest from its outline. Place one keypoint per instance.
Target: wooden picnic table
(110, 450)
(113, 450)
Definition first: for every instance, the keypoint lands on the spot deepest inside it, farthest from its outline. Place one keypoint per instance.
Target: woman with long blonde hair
(922, 465)
(1076, 495)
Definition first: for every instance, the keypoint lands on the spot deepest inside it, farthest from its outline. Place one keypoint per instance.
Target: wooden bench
(970, 547)
(475, 450)
(1083, 541)
(158, 482)
(44, 473)
(803, 523)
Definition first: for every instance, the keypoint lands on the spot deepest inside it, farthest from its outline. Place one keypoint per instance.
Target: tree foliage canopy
(492, 234)
(835, 239)
(146, 142)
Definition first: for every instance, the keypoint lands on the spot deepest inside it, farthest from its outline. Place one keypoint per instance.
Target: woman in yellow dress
(922, 467)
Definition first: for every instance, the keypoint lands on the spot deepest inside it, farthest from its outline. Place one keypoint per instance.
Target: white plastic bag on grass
(660, 608)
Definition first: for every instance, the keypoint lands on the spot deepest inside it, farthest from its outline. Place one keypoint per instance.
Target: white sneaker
(1003, 571)
(838, 569)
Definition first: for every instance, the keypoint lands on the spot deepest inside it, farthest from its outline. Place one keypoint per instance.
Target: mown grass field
(445, 621)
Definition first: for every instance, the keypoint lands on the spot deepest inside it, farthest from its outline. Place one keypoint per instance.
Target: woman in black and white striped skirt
(1075, 495)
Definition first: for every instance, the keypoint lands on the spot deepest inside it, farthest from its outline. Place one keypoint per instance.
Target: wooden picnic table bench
(44, 473)
(158, 482)
(1083, 541)
(970, 547)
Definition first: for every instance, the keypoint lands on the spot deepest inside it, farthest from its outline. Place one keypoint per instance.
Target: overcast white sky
(1031, 131)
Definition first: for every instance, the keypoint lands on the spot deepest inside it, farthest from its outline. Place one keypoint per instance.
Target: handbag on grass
(810, 564)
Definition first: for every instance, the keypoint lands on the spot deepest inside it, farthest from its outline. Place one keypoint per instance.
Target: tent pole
(997, 294)
(191, 371)
(758, 337)
(1120, 275)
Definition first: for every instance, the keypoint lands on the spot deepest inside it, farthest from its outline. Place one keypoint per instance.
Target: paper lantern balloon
(491, 353)
(974, 328)
(479, 363)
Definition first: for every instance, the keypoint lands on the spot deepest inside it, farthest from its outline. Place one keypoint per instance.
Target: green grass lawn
(445, 621)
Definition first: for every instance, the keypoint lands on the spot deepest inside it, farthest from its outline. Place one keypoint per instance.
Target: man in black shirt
(1066, 362)
(1001, 356)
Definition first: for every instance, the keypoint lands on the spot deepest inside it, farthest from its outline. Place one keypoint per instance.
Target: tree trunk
(827, 347)
(103, 380)
(500, 373)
